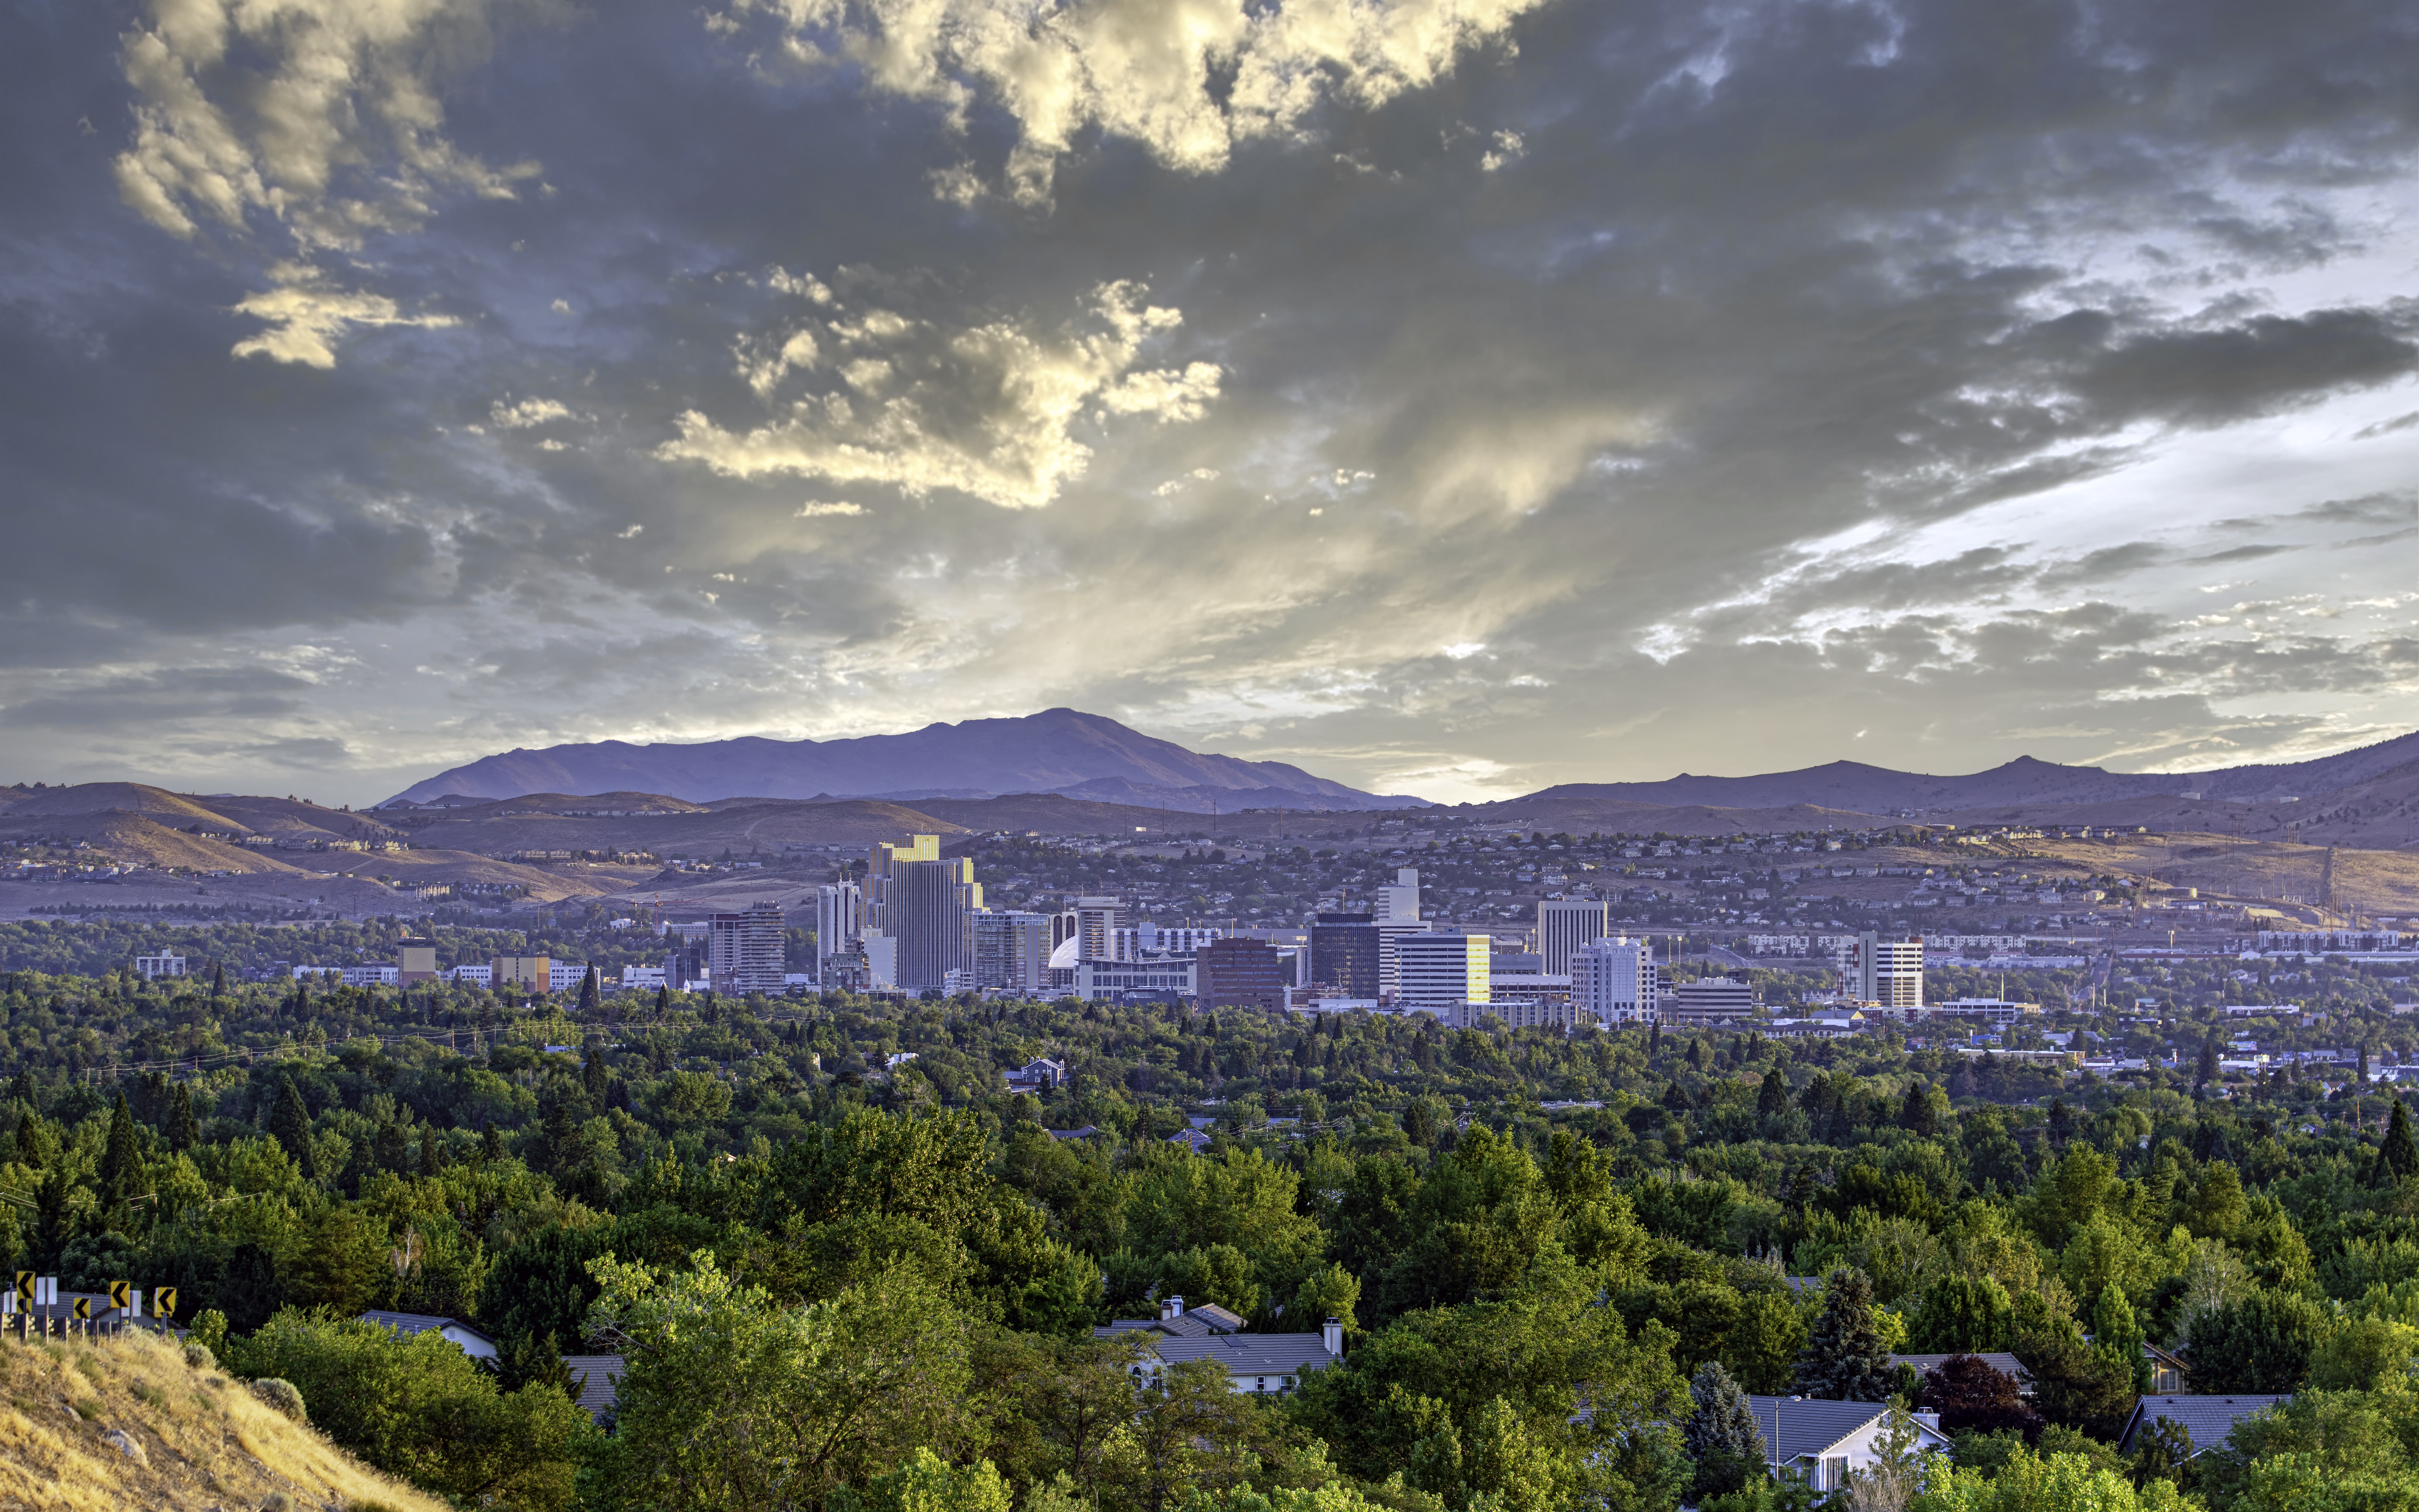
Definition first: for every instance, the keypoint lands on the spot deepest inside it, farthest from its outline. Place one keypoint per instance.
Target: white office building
(1397, 914)
(1612, 981)
(1097, 920)
(839, 918)
(1874, 970)
(1443, 972)
(1564, 926)
(152, 967)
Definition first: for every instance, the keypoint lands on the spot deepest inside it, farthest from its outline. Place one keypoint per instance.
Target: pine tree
(289, 1122)
(664, 999)
(1914, 1115)
(1722, 1435)
(2205, 1072)
(2398, 1156)
(1845, 1359)
(121, 1161)
(1654, 1040)
(218, 980)
(2116, 1338)
(184, 1133)
(590, 994)
(432, 1161)
(1773, 1097)
(593, 1074)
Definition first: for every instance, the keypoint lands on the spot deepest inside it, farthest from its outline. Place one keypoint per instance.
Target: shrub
(281, 1396)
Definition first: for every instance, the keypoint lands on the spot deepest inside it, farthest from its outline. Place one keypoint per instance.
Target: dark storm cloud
(754, 392)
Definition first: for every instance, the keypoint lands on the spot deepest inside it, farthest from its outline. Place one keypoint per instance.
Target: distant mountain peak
(1056, 750)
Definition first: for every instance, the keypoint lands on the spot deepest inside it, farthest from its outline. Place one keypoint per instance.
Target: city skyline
(1494, 394)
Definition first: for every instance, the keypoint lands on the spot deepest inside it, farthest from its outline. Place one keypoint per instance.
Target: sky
(1451, 396)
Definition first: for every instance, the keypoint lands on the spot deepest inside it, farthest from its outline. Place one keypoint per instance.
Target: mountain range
(2020, 782)
(1061, 751)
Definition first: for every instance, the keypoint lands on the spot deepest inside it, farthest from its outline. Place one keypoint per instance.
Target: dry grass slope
(206, 1440)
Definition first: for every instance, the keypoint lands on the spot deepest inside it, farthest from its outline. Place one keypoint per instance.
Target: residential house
(1821, 1442)
(473, 1343)
(1270, 1364)
(2208, 1419)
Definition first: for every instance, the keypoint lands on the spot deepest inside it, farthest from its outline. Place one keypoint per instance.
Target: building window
(1835, 1475)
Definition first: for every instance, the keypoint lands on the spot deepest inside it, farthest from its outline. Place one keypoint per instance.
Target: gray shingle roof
(2006, 1365)
(596, 1378)
(1247, 1354)
(1796, 1426)
(2208, 1419)
(408, 1324)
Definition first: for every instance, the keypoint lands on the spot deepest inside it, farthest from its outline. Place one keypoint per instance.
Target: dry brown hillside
(124, 1423)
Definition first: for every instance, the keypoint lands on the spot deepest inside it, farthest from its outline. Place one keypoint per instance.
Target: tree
(289, 1122)
(2205, 1072)
(1846, 1358)
(2261, 1343)
(1961, 1313)
(1971, 1396)
(2398, 1156)
(2028, 1482)
(121, 1162)
(2116, 1338)
(1721, 1436)
(589, 993)
(1915, 1113)
(2163, 1450)
(419, 1408)
(731, 1400)
(184, 1134)
(1772, 1098)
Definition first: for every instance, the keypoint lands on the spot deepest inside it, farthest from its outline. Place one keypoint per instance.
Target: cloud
(276, 108)
(318, 122)
(306, 317)
(1190, 82)
(526, 413)
(989, 411)
(813, 509)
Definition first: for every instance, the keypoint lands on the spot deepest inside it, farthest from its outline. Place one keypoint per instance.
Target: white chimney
(1332, 1333)
(1171, 1309)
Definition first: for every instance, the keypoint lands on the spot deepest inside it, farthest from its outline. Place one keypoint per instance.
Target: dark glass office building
(1344, 954)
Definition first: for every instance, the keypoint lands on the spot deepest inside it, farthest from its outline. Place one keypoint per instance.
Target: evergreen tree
(1845, 1359)
(2398, 1156)
(2116, 1338)
(664, 999)
(1722, 1435)
(2061, 1123)
(289, 1122)
(593, 1074)
(218, 979)
(1772, 1098)
(589, 993)
(2205, 1072)
(432, 1160)
(1914, 1115)
(184, 1133)
(1654, 1040)
(1675, 1097)
(121, 1162)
